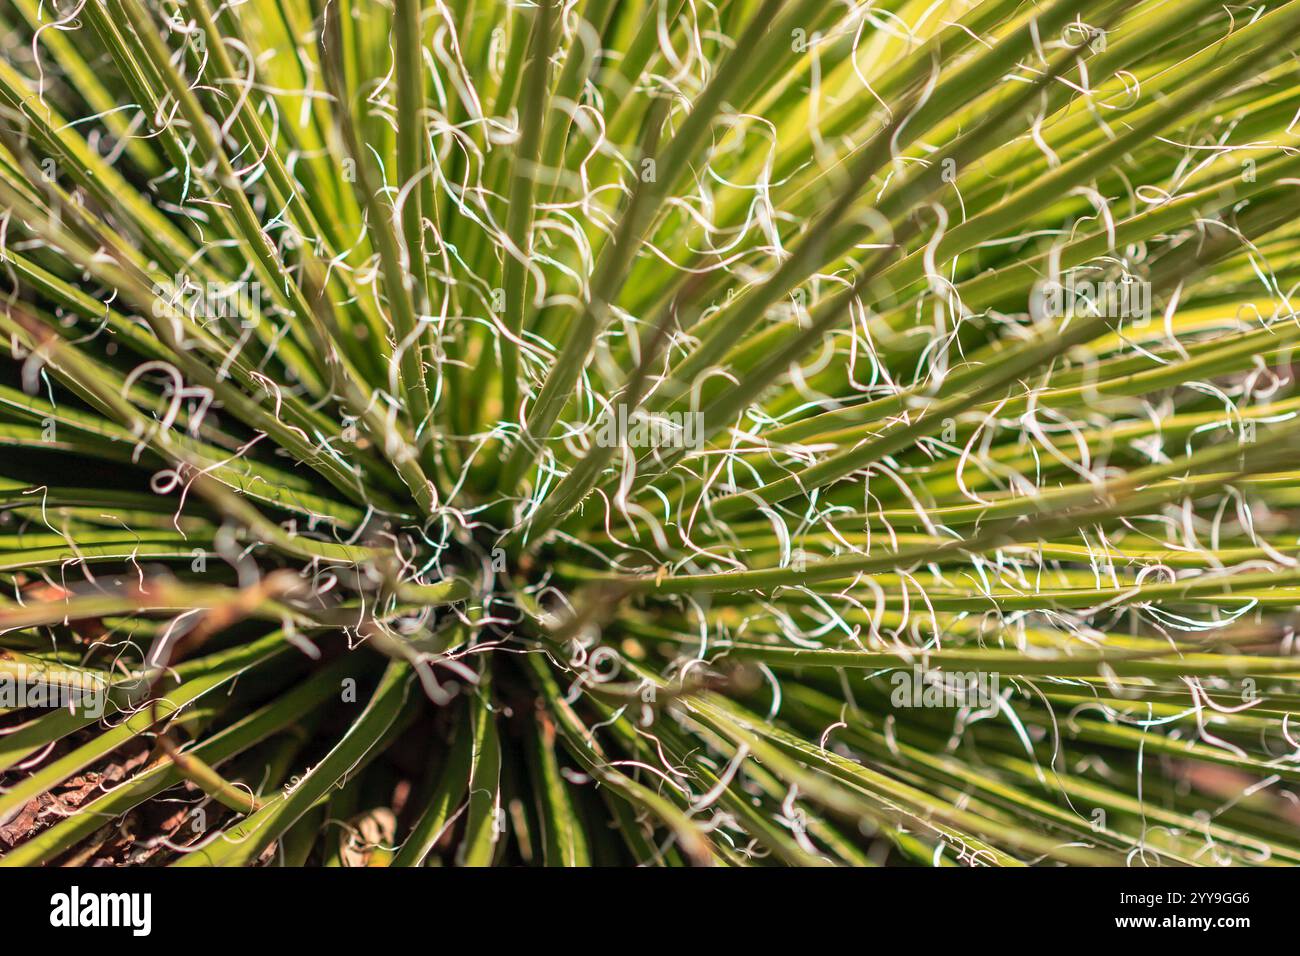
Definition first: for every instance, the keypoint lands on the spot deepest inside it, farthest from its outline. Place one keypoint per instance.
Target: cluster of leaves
(319, 312)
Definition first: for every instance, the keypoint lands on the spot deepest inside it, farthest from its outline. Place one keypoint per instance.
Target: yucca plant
(641, 431)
